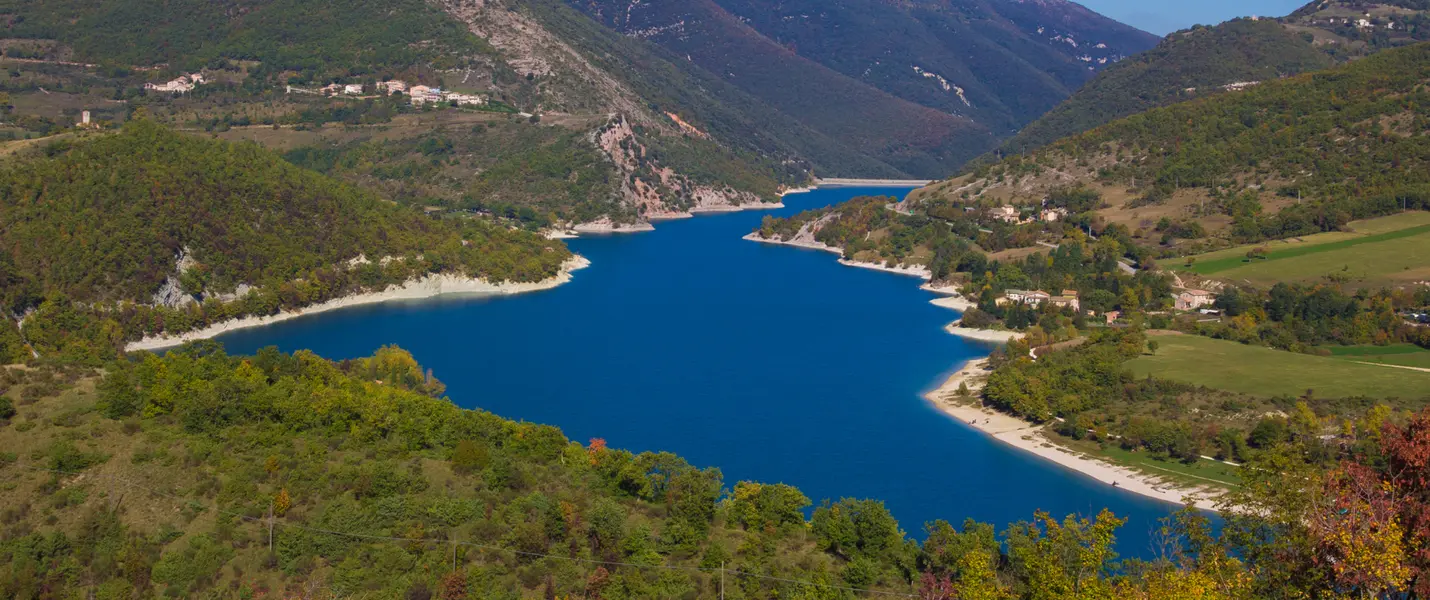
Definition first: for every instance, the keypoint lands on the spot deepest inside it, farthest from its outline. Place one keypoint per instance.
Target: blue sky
(1165, 16)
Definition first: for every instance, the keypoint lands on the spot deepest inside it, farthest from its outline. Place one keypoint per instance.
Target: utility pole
(454, 555)
(722, 580)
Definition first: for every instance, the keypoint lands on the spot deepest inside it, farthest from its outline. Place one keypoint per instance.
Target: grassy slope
(1394, 249)
(1266, 372)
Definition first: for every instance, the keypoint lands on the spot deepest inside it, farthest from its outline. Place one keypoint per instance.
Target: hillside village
(418, 95)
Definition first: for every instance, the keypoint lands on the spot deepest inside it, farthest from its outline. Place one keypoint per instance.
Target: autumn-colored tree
(270, 464)
(1407, 454)
(597, 582)
(1356, 528)
(282, 502)
(933, 587)
(454, 585)
(595, 448)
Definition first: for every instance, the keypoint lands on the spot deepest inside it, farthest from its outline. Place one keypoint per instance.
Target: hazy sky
(1165, 16)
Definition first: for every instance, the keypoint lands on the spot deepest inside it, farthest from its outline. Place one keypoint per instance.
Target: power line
(406, 540)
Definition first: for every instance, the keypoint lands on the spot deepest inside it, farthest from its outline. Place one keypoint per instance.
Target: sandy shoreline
(910, 270)
(1001, 336)
(1008, 429)
(429, 286)
(1030, 438)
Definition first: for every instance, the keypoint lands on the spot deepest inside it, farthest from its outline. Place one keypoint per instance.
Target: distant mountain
(921, 85)
(735, 98)
(1208, 60)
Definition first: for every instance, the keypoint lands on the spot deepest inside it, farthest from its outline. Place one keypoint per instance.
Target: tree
(1153, 345)
(1407, 452)
(454, 585)
(1356, 528)
(469, 456)
(282, 502)
(1064, 560)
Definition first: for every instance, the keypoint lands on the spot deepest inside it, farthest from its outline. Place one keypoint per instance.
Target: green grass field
(1202, 472)
(1408, 355)
(1377, 251)
(1265, 372)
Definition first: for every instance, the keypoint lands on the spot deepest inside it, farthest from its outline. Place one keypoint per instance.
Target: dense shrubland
(163, 476)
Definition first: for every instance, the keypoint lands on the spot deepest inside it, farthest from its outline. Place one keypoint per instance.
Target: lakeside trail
(429, 286)
(1030, 437)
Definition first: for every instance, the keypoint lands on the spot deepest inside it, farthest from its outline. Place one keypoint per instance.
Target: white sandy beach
(426, 287)
(605, 225)
(1001, 336)
(1030, 438)
(910, 270)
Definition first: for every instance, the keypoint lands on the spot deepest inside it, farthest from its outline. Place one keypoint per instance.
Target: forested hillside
(1207, 60)
(111, 236)
(314, 38)
(202, 475)
(1285, 158)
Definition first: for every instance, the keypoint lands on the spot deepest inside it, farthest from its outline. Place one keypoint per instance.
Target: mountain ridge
(1208, 59)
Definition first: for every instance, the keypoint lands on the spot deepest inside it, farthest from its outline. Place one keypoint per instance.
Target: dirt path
(1421, 369)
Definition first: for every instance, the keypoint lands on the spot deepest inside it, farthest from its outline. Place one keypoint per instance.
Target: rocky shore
(429, 286)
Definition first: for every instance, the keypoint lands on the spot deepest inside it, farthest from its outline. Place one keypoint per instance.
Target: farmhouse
(1052, 215)
(1023, 297)
(392, 87)
(183, 85)
(1068, 299)
(1194, 299)
(1006, 214)
(353, 89)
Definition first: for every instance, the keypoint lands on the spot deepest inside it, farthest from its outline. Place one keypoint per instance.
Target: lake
(772, 363)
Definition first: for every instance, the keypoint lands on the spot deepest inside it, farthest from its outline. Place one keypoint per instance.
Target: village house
(183, 85)
(331, 89)
(463, 99)
(1194, 299)
(1065, 302)
(1034, 298)
(1006, 214)
(1068, 299)
(353, 89)
(392, 87)
(1052, 215)
(422, 94)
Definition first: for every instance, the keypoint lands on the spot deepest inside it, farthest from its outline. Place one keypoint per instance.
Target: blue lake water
(772, 363)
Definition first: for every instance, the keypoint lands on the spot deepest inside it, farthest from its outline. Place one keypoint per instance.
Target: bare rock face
(171, 293)
(531, 50)
(657, 191)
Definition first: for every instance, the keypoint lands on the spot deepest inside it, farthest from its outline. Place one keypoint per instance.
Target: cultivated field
(1262, 371)
(1392, 250)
